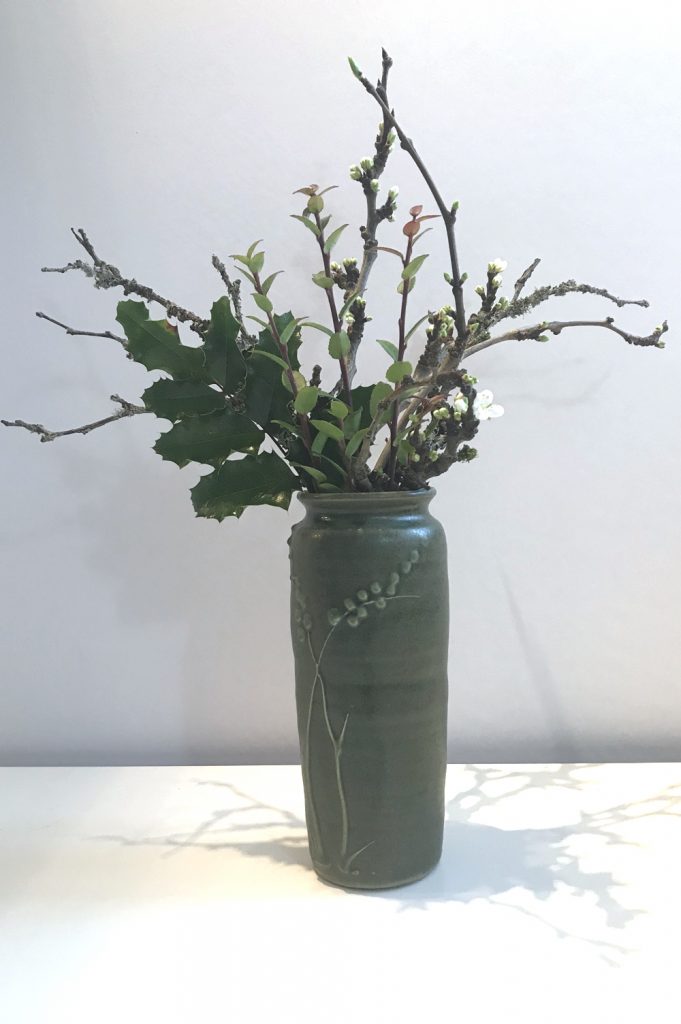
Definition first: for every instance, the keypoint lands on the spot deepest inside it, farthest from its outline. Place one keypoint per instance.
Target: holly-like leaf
(265, 396)
(206, 438)
(224, 362)
(156, 345)
(263, 479)
(175, 399)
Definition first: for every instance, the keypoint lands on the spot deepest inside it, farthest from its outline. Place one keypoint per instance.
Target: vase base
(354, 885)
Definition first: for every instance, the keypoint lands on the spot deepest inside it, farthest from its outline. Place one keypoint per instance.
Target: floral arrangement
(238, 400)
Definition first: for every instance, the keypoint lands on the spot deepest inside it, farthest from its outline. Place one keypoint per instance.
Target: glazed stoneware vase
(370, 626)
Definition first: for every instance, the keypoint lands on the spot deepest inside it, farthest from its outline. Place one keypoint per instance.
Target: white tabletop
(186, 894)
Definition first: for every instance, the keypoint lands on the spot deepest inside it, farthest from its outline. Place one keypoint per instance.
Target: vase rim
(367, 499)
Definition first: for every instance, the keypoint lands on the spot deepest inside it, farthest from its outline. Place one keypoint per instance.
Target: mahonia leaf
(265, 396)
(206, 438)
(224, 362)
(174, 399)
(156, 345)
(263, 479)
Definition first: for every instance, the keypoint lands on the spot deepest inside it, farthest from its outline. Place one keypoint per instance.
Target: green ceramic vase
(370, 625)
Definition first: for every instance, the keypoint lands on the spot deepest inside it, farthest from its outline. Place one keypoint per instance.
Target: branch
(126, 409)
(85, 334)
(382, 146)
(537, 331)
(518, 306)
(525, 277)
(234, 292)
(448, 215)
(105, 275)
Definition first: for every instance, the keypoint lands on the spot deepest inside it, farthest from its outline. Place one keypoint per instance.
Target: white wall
(133, 632)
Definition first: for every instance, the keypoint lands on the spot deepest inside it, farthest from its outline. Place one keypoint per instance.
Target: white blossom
(460, 404)
(484, 406)
(497, 266)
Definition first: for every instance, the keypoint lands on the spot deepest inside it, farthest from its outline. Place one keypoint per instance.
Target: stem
(283, 351)
(556, 326)
(326, 260)
(402, 345)
(448, 215)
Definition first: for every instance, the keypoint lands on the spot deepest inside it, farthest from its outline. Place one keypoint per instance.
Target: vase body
(370, 625)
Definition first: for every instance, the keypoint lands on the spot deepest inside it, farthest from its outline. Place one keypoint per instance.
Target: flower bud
(374, 185)
(355, 172)
(497, 266)
(366, 164)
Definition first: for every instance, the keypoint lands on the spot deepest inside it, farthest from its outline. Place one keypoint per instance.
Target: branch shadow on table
(480, 861)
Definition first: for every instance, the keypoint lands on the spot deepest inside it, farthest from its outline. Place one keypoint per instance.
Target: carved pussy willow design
(356, 610)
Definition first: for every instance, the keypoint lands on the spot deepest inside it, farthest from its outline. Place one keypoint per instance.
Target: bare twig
(105, 275)
(374, 215)
(525, 277)
(84, 334)
(126, 409)
(448, 213)
(556, 326)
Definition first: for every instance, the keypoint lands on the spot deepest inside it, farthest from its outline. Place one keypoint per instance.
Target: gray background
(132, 632)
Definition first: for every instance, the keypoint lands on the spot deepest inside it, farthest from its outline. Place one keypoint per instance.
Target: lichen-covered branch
(234, 292)
(540, 332)
(126, 409)
(521, 306)
(105, 275)
(525, 277)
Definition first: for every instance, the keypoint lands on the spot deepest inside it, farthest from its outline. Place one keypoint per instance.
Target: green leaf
(290, 330)
(270, 355)
(256, 319)
(318, 327)
(306, 399)
(414, 267)
(308, 223)
(339, 344)
(263, 302)
(224, 361)
(291, 427)
(156, 345)
(269, 281)
(330, 488)
(174, 399)
(298, 379)
(318, 444)
(329, 429)
(333, 238)
(355, 442)
(257, 262)
(380, 392)
(322, 280)
(397, 371)
(388, 346)
(205, 438)
(312, 471)
(251, 249)
(338, 409)
(263, 479)
(409, 283)
(265, 395)
(415, 327)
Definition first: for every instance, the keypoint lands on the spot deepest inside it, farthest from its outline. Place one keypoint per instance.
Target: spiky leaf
(263, 479)
(206, 438)
(175, 399)
(156, 345)
(224, 362)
